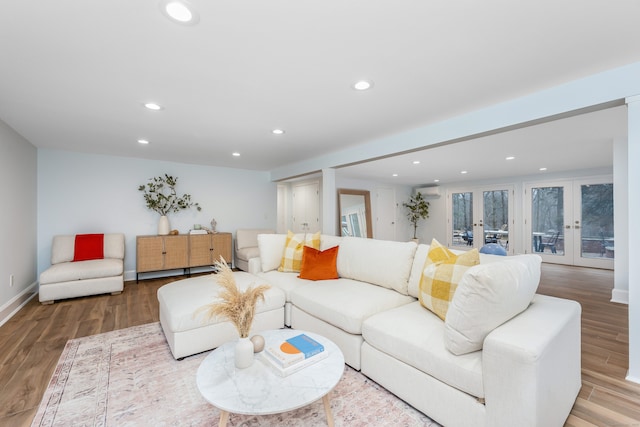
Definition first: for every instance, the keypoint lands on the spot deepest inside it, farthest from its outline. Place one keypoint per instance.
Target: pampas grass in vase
(236, 306)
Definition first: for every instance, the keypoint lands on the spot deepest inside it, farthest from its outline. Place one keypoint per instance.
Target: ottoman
(189, 334)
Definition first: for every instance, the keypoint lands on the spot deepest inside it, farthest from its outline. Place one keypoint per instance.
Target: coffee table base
(224, 415)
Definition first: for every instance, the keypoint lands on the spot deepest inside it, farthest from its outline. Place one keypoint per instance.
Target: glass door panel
(594, 225)
(462, 219)
(496, 217)
(547, 220)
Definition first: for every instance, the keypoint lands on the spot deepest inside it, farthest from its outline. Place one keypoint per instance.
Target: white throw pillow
(487, 296)
(271, 247)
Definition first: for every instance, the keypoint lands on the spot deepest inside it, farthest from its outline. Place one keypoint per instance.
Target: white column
(633, 104)
(329, 204)
(620, 292)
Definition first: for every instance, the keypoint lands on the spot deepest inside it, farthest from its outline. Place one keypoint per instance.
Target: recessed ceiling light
(543, 169)
(143, 141)
(363, 85)
(153, 106)
(509, 158)
(416, 162)
(463, 172)
(395, 174)
(179, 11)
(436, 180)
(277, 131)
(236, 154)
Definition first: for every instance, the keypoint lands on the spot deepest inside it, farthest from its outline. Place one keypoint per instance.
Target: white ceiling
(74, 75)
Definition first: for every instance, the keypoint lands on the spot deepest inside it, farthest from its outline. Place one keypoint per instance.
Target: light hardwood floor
(31, 343)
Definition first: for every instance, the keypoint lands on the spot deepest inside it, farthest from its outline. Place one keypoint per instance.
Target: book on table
(294, 354)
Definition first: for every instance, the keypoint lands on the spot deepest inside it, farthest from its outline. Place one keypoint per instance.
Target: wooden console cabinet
(206, 249)
(158, 253)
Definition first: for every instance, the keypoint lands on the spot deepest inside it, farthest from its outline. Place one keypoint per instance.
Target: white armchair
(247, 246)
(67, 278)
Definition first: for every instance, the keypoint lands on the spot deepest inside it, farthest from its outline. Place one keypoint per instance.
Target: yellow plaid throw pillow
(442, 272)
(292, 255)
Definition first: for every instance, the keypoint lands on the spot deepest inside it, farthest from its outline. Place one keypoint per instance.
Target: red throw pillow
(319, 265)
(88, 246)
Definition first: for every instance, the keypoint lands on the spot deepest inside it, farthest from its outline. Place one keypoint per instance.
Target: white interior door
(306, 207)
(385, 214)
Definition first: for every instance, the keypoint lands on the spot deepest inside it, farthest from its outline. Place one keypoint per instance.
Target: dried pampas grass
(237, 306)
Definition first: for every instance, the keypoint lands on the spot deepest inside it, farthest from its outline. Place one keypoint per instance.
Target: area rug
(129, 378)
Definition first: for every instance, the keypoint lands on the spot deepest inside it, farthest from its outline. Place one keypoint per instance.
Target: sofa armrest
(531, 365)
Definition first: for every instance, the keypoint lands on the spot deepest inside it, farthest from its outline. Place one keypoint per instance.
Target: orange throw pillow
(319, 265)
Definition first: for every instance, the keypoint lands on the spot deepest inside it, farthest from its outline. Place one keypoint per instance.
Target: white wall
(18, 168)
(85, 193)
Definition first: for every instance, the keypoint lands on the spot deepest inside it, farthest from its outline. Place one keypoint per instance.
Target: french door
(571, 222)
(480, 216)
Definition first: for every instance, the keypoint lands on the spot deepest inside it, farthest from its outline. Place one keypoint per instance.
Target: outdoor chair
(550, 242)
(467, 236)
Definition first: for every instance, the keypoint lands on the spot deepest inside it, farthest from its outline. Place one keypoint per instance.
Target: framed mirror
(354, 208)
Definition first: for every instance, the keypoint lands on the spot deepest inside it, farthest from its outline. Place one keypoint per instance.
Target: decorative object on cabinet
(160, 196)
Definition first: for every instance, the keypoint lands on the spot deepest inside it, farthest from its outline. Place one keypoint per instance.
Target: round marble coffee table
(258, 390)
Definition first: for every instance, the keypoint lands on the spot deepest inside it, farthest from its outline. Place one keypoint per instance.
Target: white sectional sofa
(67, 278)
(526, 371)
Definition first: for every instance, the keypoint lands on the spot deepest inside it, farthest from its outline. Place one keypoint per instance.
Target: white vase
(163, 226)
(243, 353)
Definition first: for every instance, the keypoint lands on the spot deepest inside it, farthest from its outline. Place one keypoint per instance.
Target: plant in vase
(239, 307)
(417, 209)
(160, 196)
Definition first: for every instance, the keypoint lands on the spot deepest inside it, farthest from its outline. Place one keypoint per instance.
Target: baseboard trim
(620, 296)
(632, 378)
(8, 310)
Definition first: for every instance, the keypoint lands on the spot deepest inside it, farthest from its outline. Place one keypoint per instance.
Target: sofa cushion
(62, 248)
(248, 253)
(88, 246)
(414, 336)
(319, 265)
(345, 303)
(271, 247)
(287, 282)
(380, 262)
(180, 300)
(328, 241)
(92, 269)
(442, 273)
(248, 238)
(292, 253)
(488, 295)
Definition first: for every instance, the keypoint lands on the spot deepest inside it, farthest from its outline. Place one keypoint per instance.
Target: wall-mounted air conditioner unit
(429, 192)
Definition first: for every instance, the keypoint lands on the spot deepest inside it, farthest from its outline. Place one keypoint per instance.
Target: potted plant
(417, 209)
(160, 196)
